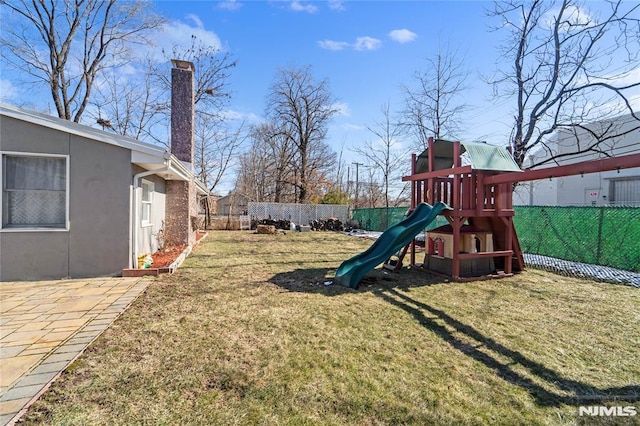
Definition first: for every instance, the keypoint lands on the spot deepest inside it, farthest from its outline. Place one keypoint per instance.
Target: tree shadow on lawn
(550, 388)
(556, 390)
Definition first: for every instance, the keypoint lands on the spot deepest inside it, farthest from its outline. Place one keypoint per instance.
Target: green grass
(247, 333)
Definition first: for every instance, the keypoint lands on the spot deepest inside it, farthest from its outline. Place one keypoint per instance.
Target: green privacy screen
(379, 219)
(608, 236)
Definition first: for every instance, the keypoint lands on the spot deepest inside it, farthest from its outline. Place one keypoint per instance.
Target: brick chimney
(181, 203)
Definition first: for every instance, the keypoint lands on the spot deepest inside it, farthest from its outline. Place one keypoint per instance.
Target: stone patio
(46, 325)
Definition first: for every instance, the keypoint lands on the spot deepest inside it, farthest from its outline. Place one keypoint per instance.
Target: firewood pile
(331, 224)
(279, 224)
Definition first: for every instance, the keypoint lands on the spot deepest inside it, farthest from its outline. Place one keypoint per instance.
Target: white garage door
(626, 192)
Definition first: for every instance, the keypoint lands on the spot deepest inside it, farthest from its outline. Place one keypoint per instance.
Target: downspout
(135, 223)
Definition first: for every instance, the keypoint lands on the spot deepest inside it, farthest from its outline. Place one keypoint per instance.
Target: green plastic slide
(351, 272)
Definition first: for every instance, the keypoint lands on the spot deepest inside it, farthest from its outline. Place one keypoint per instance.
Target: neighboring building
(233, 204)
(594, 189)
(81, 202)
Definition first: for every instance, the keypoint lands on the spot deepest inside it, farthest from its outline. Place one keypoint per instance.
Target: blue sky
(367, 50)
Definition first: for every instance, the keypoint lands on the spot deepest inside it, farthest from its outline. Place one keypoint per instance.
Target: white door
(591, 196)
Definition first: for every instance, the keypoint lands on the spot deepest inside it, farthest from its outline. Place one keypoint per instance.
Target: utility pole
(357, 180)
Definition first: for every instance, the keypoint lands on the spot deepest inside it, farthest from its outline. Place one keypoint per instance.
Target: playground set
(471, 185)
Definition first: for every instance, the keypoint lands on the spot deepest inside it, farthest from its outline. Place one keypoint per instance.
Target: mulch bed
(166, 256)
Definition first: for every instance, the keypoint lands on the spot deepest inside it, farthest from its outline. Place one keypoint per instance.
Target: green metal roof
(489, 157)
(481, 156)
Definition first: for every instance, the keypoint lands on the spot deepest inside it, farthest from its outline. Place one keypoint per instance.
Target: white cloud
(403, 36)
(629, 78)
(178, 33)
(336, 5)
(619, 79)
(361, 43)
(367, 43)
(302, 7)
(249, 117)
(229, 5)
(571, 15)
(342, 109)
(348, 126)
(333, 45)
(7, 91)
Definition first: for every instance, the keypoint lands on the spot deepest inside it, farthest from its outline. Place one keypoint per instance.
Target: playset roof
(480, 155)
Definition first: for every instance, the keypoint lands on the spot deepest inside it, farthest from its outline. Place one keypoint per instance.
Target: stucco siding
(21, 136)
(28, 256)
(100, 177)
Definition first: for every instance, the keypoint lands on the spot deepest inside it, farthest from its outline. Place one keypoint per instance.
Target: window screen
(34, 191)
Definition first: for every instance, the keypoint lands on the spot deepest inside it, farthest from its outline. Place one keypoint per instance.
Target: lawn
(247, 333)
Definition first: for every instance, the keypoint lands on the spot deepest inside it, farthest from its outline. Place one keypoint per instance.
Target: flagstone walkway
(46, 325)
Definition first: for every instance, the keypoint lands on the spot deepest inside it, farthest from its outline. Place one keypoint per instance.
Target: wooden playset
(476, 181)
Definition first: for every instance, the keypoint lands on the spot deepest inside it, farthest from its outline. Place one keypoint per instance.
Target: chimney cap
(183, 65)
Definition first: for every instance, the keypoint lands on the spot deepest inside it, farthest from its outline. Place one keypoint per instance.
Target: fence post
(599, 247)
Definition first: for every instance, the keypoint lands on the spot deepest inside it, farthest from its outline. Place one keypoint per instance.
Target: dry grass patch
(247, 333)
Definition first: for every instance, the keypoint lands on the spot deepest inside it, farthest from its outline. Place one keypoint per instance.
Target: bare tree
(267, 168)
(372, 192)
(280, 152)
(301, 108)
(217, 147)
(252, 179)
(216, 151)
(212, 69)
(79, 39)
(129, 104)
(384, 154)
(433, 104)
(564, 74)
(321, 165)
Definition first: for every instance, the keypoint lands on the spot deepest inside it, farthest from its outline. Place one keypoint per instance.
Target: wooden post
(508, 244)
(413, 182)
(430, 196)
(456, 176)
(468, 190)
(456, 225)
(480, 204)
(414, 186)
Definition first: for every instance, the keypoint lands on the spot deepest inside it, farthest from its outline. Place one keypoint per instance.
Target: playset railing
(464, 191)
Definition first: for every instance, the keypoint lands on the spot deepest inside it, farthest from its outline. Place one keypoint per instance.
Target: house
(618, 187)
(81, 202)
(233, 204)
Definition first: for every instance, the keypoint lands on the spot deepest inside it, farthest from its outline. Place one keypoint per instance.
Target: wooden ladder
(392, 264)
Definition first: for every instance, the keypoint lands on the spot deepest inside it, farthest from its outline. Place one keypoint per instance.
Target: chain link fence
(606, 236)
(300, 214)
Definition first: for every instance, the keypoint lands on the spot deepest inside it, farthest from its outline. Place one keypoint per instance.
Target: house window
(34, 191)
(147, 199)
